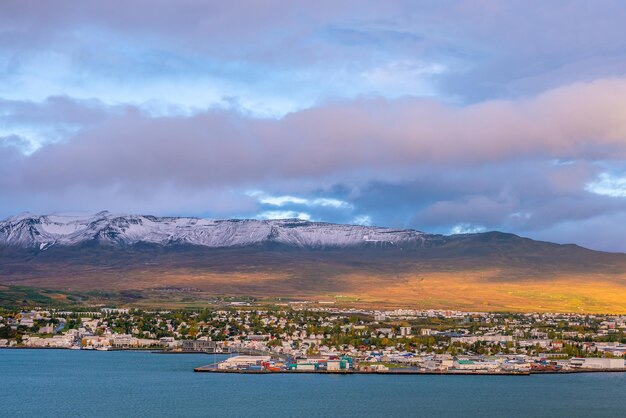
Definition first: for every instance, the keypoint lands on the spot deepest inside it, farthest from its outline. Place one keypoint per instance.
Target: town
(310, 338)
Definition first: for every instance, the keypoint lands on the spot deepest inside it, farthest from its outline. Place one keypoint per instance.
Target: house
(380, 316)
(27, 322)
(47, 329)
(556, 345)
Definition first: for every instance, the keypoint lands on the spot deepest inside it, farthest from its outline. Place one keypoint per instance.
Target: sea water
(73, 383)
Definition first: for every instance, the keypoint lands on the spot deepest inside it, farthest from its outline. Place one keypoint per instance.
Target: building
(109, 311)
(471, 339)
(27, 322)
(168, 341)
(468, 364)
(239, 362)
(202, 346)
(258, 337)
(597, 363)
(332, 365)
(46, 329)
(309, 367)
(516, 366)
(385, 331)
(124, 340)
(405, 331)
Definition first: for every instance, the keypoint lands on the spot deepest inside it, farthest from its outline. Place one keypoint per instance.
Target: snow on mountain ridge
(27, 230)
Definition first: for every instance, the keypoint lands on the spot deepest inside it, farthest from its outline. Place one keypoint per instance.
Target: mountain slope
(299, 259)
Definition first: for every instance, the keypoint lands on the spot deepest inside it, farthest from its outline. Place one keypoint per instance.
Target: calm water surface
(42, 383)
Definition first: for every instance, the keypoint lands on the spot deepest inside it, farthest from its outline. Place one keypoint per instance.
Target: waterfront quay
(466, 365)
(396, 372)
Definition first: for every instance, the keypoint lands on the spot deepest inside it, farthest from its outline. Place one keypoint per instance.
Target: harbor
(175, 390)
(267, 364)
(401, 372)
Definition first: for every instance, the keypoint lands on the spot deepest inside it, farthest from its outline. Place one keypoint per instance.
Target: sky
(442, 116)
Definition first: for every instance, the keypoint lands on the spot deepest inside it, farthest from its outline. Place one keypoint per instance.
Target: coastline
(351, 372)
(396, 372)
(212, 368)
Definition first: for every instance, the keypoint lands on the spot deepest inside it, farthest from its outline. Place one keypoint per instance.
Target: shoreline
(155, 350)
(393, 372)
(396, 372)
(351, 372)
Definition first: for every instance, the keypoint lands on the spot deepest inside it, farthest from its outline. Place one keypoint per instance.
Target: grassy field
(476, 290)
(508, 274)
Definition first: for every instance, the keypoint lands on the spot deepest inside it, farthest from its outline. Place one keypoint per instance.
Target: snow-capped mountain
(43, 231)
(281, 258)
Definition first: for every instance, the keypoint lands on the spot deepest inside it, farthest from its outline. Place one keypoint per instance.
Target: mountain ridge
(44, 231)
(27, 230)
(295, 259)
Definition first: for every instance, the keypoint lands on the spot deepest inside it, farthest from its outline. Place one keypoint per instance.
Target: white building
(483, 338)
(333, 365)
(242, 361)
(597, 363)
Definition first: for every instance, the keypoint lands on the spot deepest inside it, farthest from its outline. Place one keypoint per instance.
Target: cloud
(198, 55)
(465, 228)
(608, 185)
(333, 203)
(52, 120)
(362, 220)
(434, 115)
(284, 56)
(284, 214)
(15, 141)
(401, 162)
(276, 200)
(284, 200)
(585, 121)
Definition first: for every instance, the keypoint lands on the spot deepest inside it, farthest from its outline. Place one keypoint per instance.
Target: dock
(212, 368)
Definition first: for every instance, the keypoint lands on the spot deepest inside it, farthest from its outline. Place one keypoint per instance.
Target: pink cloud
(585, 121)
